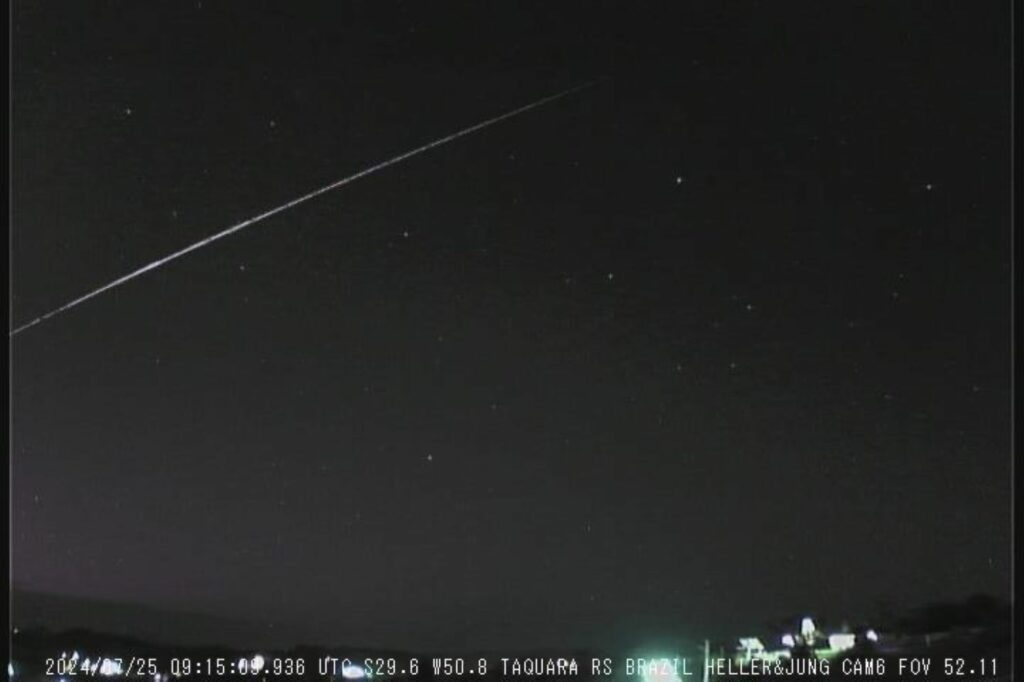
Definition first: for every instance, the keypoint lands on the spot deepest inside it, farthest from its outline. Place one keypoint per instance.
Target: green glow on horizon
(663, 669)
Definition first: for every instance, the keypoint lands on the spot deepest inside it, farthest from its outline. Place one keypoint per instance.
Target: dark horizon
(50, 616)
(722, 338)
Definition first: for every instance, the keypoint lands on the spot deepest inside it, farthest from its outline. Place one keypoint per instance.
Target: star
(611, 276)
(128, 111)
(430, 458)
(929, 187)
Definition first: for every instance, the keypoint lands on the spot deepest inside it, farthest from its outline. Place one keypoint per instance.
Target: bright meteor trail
(295, 202)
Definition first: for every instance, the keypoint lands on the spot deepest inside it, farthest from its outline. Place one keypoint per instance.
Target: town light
(807, 628)
(352, 672)
(841, 642)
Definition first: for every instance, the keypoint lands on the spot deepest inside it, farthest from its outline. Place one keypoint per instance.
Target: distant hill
(36, 610)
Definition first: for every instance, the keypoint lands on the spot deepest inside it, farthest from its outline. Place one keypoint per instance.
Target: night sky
(722, 338)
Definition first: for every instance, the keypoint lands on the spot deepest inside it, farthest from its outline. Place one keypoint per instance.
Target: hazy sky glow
(722, 338)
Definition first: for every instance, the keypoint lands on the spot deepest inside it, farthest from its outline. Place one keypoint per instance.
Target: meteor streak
(295, 202)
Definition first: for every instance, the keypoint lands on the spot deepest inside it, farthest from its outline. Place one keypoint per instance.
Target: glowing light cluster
(841, 641)
(352, 672)
(807, 629)
(110, 668)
